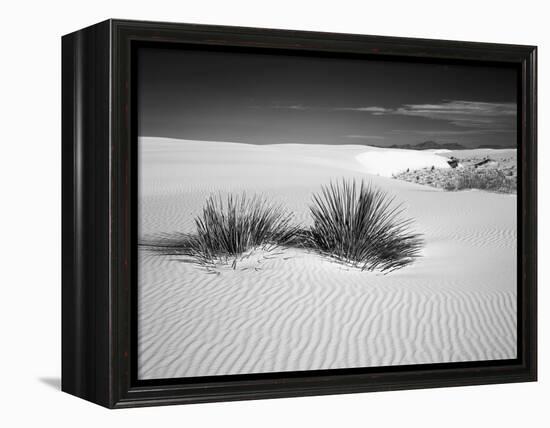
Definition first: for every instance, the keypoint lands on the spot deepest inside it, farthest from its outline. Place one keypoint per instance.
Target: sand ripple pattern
(286, 318)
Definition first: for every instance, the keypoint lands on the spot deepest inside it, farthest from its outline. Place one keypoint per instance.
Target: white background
(30, 210)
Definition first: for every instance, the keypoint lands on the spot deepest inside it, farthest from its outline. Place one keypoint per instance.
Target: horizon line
(399, 146)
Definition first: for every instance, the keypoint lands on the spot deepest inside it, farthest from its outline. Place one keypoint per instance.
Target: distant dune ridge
(296, 310)
(434, 145)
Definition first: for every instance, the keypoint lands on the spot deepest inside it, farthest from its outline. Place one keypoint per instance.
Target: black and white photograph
(316, 212)
(274, 214)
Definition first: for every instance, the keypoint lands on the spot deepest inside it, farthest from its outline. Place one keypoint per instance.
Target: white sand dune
(387, 162)
(299, 311)
(496, 154)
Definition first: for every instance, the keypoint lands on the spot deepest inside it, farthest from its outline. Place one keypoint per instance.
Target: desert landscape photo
(315, 213)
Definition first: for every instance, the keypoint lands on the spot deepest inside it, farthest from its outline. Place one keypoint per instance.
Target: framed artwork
(252, 213)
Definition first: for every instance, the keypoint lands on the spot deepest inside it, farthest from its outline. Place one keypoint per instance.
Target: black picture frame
(98, 216)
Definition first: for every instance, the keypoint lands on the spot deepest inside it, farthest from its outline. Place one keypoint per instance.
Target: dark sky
(271, 99)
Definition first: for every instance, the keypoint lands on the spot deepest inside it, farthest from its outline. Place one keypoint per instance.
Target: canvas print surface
(302, 213)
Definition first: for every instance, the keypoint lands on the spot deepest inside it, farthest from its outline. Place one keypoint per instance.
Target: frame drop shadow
(53, 382)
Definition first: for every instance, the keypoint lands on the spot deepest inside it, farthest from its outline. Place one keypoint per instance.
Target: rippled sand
(296, 310)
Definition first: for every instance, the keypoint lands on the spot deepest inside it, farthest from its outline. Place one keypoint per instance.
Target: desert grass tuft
(355, 224)
(229, 227)
(360, 225)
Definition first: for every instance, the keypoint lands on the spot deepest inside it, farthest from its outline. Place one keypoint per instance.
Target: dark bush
(354, 224)
(360, 225)
(229, 227)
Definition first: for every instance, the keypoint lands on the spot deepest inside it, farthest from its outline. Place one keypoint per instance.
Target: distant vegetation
(494, 175)
(491, 179)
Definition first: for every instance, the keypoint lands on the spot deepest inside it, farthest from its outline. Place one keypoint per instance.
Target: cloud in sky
(477, 131)
(469, 114)
(366, 137)
(293, 107)
(375, 110)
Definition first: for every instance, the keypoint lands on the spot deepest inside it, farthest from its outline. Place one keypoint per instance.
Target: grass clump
(229, 227)
(355, 224)
(360, 225)
(490, 179)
